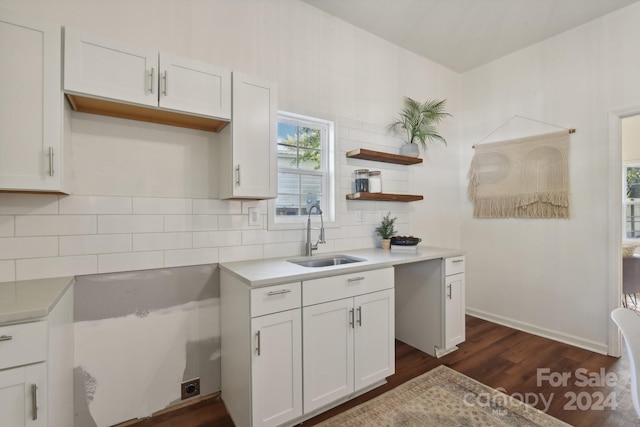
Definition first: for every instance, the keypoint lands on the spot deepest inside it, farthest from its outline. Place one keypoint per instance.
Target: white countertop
(30, 299)
(271, 271)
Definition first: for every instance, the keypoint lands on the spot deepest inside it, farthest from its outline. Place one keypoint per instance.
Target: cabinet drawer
(271, 299)
(23, 344)
(454, 265)
(316, 291)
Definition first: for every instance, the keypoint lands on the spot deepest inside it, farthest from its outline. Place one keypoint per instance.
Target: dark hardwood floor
(499, 357)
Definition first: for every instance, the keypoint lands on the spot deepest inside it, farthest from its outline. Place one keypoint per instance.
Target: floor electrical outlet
(190, 388)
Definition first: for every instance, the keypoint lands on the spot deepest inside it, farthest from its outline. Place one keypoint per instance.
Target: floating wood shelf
(384, 197)
(379, 156)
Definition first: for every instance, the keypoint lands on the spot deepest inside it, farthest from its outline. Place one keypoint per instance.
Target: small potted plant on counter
(386, 230)
(418, 120)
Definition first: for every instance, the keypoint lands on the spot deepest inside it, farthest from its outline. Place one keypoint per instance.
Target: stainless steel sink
(326, 261)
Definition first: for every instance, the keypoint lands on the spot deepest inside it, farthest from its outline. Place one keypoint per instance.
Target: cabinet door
(30, 104)
(328, 330)
(253, 134)
(454, 309)
(104, 68)
(194, 87)
(277, 368)
(374, 338)
(20, 403)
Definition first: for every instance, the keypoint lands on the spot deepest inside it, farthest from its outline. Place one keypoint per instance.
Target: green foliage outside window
(633, 182)
(308, 141)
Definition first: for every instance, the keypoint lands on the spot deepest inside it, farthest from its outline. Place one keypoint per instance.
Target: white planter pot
(410, 150)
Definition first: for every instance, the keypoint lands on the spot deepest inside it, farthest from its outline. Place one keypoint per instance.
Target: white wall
(323, 67)
(551, 276)
(141, 198)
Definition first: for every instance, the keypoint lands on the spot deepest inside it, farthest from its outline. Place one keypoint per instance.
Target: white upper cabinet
(108, 77)
(197, 87)
(30, 105)
(104, 68)
(247, 161)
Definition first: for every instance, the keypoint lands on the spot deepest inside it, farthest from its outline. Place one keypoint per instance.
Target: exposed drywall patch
(138, 333)
(105, 296)
(85, 386)
(139, 362)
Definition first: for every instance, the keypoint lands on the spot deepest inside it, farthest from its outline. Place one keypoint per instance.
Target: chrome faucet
(309, 246)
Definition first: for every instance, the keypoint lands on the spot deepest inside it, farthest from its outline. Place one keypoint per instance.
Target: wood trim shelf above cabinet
(104, 107)
(379, 156)
(388, 197)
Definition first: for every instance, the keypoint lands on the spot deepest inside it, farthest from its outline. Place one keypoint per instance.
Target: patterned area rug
(443, 397)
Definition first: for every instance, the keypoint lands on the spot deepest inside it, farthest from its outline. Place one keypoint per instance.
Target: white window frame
(327, 148)
(627, 201)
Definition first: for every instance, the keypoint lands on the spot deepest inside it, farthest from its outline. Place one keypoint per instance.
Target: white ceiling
(463, 34)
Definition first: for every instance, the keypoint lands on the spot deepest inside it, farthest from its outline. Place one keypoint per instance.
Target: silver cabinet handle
(449, 292)
(351, 323)
(238, 175)
(6, 337)
(50, 161)
(458, 260)
(151, 79)
(360, 316)
(164, 78)
(34, 402)
(258, 346)
(355, 279)
(278, 292)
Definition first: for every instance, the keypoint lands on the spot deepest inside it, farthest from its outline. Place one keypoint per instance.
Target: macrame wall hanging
(521, 178)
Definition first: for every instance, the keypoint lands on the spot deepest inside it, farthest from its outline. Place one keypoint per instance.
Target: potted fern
(418, 120)
(386, 230)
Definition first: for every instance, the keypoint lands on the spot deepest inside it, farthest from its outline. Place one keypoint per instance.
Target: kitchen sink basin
(326, 261)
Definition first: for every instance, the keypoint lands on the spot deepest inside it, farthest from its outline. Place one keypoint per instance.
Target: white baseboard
(596, 347)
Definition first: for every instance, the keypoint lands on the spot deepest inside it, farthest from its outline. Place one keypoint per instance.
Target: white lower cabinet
(23, 396)
(276, 379)
(36, 369)
(348, 346)
(343, 336)
(430, 304)
(348, 342)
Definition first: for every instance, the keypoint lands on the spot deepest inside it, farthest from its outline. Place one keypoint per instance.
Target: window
(631, 201)
(305, 168)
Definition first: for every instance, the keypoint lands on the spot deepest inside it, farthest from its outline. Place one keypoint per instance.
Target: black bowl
(405, 240)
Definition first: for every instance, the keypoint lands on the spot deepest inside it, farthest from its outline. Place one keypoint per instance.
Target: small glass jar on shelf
(375, 182)
(362, 180)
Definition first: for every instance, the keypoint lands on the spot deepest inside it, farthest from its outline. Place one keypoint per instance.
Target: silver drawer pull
(34, 402)
(355, 279)
(458, 260)
(6, 337)
(279, 292)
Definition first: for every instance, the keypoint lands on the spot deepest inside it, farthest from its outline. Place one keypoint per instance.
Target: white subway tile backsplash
(190, 222)
(276, 250)
(95, 205)
(213, 239)
(55, 225)
(95, 244)
(7, 271)
(257, 237)
(181, 257)
(160, 241)
(155, 205)
(241, 253)
(6, 226)
(114, 224)
(110, 263)
(28, 247)
(217, 207)
(28, 204)
(233, 222)
(41, 268)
